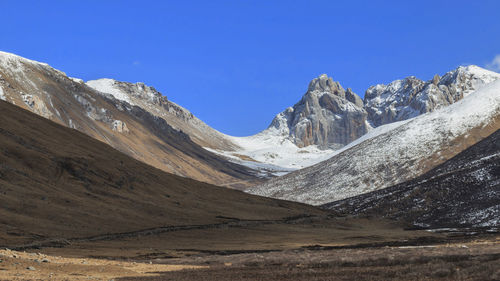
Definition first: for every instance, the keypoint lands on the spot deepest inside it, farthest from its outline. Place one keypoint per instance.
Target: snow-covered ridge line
(402, 99)
(409, 97)
(399, 154)
(4, 56)
(106, 85)
(111, 86)
(148, 98)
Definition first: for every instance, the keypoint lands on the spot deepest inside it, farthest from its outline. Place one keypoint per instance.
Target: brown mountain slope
(58, 182)
(132, 130)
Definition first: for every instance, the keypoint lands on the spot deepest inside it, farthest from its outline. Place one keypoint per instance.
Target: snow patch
(28, 100)
(108, 86)
(2, 95)
(77, 80)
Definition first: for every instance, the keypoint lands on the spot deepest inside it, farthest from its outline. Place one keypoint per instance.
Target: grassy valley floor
(474, 259)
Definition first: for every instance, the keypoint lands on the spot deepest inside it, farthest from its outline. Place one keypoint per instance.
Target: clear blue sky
(235, 64)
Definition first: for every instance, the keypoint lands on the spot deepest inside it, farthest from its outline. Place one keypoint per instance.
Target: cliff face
(331, 117)
(410, 97)
(327, 116)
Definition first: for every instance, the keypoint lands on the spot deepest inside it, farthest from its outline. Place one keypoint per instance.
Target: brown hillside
(58, 182)
(132, 130)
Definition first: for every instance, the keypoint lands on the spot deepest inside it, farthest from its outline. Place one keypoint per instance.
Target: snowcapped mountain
(393, 153)
(462, 192)
(328, 117)
(410, 97)
(273, 151)
(154, 102)
(140, 121)
(129, 122)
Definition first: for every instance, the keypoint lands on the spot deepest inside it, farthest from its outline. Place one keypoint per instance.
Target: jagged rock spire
(327, 116)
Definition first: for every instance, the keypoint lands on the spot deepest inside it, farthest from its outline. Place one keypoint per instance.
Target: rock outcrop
(410, 97)
(327, 116)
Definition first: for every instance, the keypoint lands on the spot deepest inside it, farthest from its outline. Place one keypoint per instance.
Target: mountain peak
(410, 97)
(323, 83)
(476, 72)
(320, 117)
(16, 65)
(128, 92)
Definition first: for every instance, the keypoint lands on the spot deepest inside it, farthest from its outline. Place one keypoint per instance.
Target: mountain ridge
(330, 119)
(158, 104)
(404, 150)
(326, 120)
(131, 129)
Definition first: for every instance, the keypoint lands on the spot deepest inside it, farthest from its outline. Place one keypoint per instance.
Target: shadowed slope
(57, 182)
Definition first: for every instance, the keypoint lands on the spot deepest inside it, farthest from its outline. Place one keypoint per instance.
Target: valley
(110, 180)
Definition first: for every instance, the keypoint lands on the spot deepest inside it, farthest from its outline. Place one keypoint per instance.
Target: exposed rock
(120, 126)
(352, 97)
(435, 79)
(410, 97)
(327, 116)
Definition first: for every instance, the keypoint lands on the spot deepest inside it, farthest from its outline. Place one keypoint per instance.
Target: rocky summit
(407, 98)
(327, 116)
(331, 117)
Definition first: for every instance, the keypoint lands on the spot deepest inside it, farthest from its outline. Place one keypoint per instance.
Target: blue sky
(235, 64)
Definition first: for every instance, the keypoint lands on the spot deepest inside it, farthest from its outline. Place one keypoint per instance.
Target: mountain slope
(328, 118)
(140, 121)
(58, 182)
(462, 192)
(157, 104)
(131, 129)
(407, 150)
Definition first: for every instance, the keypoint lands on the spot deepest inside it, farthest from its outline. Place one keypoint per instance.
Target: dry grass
(16, 265)
(463, 261)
